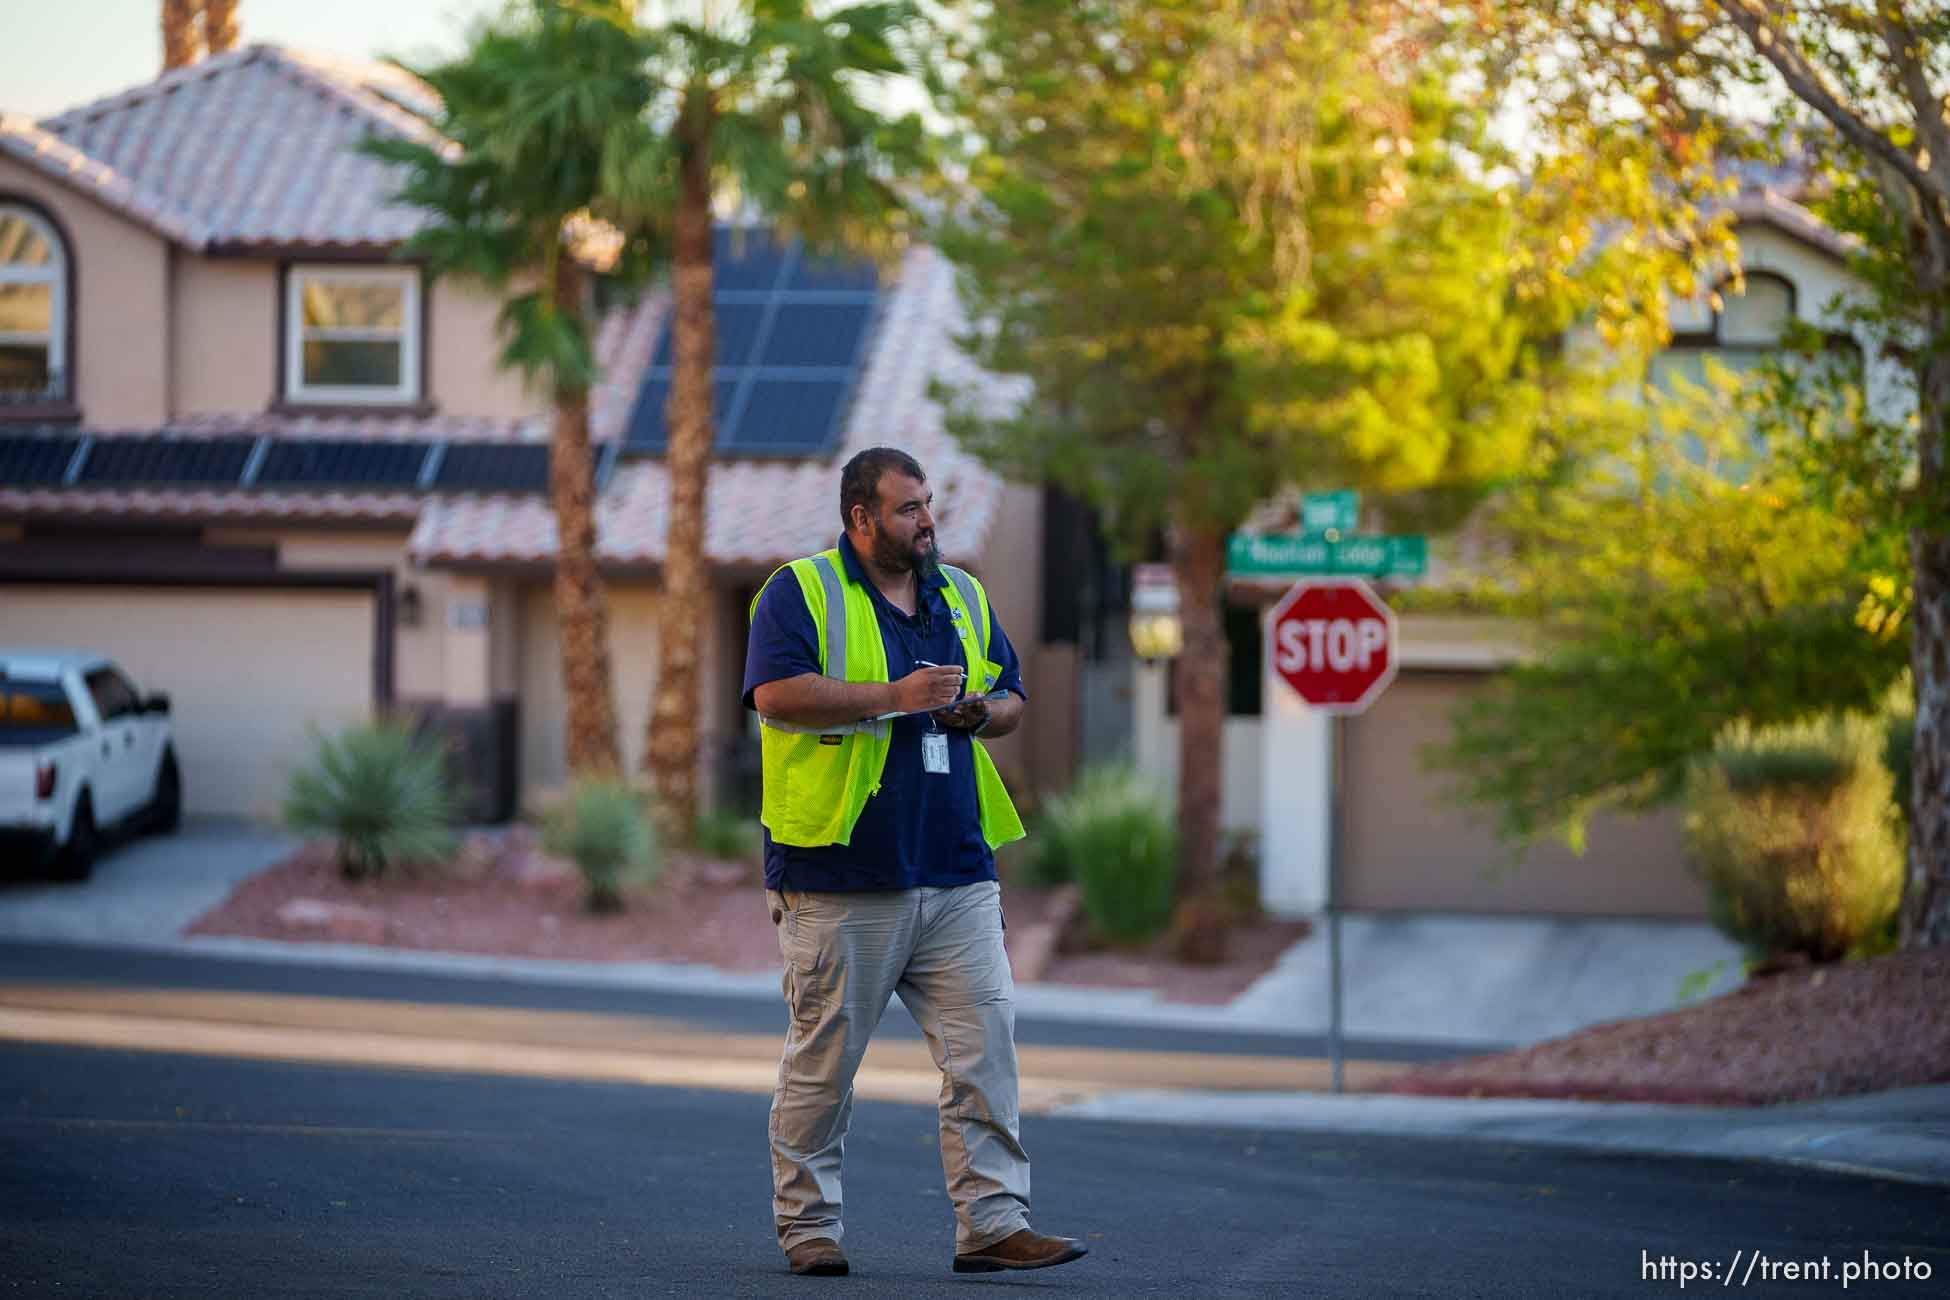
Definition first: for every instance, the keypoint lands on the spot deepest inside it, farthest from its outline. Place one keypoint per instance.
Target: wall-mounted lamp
(409, 606)
(1155, 630)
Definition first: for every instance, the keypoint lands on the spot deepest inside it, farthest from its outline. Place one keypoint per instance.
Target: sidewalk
(1435, 979)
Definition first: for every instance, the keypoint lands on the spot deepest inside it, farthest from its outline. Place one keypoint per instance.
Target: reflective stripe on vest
(835, 616)
(973, 602)
(835, 665)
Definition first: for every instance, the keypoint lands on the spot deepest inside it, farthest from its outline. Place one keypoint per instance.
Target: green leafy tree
(1680, 575)
(1238, 246)
(532, 184)
(775, 108)
(1650, 82)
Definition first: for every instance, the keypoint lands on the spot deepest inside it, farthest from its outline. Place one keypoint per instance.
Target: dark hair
(860, 480)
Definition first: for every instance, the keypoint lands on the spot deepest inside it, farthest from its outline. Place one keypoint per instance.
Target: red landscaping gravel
(1805, 1034)
(501, 897)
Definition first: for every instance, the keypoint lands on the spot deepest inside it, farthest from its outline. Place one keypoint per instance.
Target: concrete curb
(1050, 1001)
(1903, 1135)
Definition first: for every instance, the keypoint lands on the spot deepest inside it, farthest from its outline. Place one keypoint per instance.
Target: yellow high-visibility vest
(817, 779)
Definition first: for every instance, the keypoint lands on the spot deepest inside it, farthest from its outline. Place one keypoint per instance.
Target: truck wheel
(166, 809)
(76, 858)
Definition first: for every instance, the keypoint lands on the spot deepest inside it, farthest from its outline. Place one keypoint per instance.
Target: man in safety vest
(874, 669)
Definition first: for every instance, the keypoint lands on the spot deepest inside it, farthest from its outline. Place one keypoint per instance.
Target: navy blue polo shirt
(921, 828)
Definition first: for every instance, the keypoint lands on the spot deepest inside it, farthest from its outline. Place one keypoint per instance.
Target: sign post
(1333, 641)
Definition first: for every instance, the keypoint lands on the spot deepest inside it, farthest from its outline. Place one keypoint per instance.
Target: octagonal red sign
(1333, 640)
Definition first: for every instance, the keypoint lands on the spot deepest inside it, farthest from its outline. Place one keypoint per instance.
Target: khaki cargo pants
(941, 951)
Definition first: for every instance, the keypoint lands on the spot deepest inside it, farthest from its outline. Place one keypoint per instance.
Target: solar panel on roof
(792, 338)
(41, 460)
(343, 462)
(35, 460)
(829, 274)
(646, 429)
(493, 467)
(209, 462)
(779, 412)
(824, 334)
(746, 260)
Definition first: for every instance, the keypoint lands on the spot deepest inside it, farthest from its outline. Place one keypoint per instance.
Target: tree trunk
(178, 33)
(581, 611)
(1925, 921)
(1198, 559)
(219, 25)
(671, 748)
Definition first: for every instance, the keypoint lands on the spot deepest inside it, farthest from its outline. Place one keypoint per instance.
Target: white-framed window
(33, 308)
(352, 335)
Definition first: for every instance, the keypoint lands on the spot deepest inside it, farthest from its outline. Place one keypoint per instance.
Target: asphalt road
(149, 1175)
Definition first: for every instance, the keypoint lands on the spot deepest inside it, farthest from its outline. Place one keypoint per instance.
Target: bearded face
(901, 530)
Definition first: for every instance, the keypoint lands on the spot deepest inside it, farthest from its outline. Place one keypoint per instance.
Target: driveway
(145, 890)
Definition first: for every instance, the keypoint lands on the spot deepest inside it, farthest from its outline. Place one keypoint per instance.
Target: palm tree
(220, 25)
(542, 129)
(760, 106)
(179, 35)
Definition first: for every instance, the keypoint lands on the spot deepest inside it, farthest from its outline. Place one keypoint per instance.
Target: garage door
(245, 669)
(1410, 849)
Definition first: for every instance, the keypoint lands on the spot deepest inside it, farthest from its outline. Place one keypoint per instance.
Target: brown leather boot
(819, 1257)
(1025, 1249)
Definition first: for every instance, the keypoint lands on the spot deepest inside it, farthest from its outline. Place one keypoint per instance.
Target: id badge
(934, 752)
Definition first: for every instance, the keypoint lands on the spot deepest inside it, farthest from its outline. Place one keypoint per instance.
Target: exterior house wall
(1156, 750)
(635, 634)
(1817, 277)
(225, 317)
(462, 378)
(121, 312)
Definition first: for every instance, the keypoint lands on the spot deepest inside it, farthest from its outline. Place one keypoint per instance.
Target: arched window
(34, 308)
(1756, 317)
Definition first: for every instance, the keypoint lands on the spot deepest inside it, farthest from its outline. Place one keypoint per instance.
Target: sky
(55, 56)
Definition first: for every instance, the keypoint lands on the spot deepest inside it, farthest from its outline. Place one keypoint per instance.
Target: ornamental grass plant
(1114, 834)
(604, 827)
(1796, 835)
(381, 790)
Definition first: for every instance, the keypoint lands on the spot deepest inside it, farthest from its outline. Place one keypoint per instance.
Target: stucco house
(275, 471)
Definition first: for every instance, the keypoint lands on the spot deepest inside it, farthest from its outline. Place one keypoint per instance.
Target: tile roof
(249, 148)
(762, 512)
(214, 505)
(52, 156)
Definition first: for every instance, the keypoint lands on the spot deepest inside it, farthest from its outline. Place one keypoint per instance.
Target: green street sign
(1322, 512)
(1299, 555)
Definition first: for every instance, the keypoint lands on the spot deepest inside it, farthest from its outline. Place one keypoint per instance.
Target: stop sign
(1333, 640)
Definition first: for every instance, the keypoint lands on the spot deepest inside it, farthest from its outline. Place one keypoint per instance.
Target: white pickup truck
(82, 754)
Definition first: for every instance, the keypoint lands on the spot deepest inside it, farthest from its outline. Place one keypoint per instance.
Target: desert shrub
(723, 833)
(382, 793)
(604, 827)
(1793, 832)
(1117, 834)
